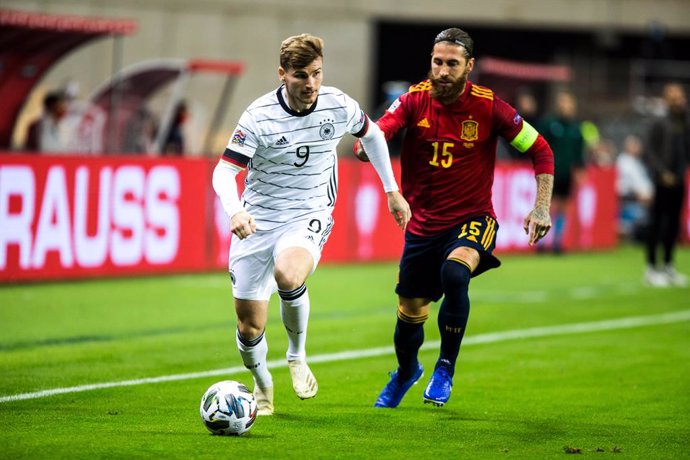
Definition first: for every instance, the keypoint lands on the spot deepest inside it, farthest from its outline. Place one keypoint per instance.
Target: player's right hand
(242, 224)
(400, 208)
(537, 224)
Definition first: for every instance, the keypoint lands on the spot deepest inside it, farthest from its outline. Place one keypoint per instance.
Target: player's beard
(449, 93)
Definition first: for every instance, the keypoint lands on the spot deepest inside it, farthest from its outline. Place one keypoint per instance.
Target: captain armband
(525, 138)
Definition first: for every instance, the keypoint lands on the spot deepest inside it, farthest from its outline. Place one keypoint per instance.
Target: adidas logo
(282, 141)
(424, 123)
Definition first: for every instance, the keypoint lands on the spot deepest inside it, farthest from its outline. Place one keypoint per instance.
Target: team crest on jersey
(470, 130)
(239, 137)
(327, 130)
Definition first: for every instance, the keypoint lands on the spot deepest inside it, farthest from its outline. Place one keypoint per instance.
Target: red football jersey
(449, 153)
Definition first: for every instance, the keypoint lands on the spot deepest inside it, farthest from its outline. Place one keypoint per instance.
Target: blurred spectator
(656, 45)
(70, 90)
(527, 106)
(140, 132)
(174, 143)
(603, 153)
(667, 155)
(80, 124)
(563, 133)
(634, 188)
(48, 133)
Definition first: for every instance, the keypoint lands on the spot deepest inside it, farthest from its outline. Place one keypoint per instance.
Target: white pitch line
(492, 337)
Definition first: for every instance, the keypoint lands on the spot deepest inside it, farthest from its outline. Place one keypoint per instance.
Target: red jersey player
(448, 157)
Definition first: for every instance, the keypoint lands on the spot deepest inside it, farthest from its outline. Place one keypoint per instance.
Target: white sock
(294, 311)
(253, 355)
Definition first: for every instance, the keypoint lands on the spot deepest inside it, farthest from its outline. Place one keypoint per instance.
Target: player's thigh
(310, 235)
(419, 275)
(251, 267)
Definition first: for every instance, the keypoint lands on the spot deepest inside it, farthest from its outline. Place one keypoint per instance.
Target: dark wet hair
(458, 37)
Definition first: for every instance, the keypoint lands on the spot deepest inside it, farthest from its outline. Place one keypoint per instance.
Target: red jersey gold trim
(421, 86)
(481, 92)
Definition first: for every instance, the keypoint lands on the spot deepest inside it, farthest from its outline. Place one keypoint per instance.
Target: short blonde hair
(299, 51)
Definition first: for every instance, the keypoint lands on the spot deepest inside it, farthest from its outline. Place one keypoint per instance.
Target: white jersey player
(287, 142)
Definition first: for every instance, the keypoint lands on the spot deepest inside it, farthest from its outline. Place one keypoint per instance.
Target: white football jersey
(291, 156)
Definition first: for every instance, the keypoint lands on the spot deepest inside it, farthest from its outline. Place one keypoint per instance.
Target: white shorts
(252, 260)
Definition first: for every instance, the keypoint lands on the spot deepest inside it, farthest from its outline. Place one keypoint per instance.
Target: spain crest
(470, 130)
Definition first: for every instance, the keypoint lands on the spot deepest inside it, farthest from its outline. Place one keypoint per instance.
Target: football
(228, 408)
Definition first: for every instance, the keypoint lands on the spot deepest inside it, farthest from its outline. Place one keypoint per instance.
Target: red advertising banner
(364, 228)
(591, 216)
(72, 217)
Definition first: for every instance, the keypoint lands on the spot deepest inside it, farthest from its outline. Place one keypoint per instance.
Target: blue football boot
(438, 390)
(394, 391)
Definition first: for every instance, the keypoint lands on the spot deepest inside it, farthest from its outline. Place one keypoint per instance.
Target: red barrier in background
(591, 218)
(71, 217)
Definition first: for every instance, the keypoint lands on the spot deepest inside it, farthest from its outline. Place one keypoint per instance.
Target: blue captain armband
(525, 138)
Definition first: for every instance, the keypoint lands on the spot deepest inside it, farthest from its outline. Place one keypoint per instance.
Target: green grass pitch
(622, 390)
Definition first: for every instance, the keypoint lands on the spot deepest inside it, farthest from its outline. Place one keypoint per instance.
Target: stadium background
(614, 55)
(368, 42)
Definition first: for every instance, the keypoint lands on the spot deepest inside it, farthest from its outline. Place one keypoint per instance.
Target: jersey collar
(286, 107)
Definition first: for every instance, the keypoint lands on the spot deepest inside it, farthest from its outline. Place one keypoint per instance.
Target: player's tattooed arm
(544, 190)
(538, 222)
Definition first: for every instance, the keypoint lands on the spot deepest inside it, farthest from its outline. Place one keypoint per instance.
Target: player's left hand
(400, 209)
(537, 224)
(359, 152)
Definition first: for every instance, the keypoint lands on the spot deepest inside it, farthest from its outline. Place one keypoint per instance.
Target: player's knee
(288, 279)
(455, 274)
(249, 331)
(292, 267)
(413, 310)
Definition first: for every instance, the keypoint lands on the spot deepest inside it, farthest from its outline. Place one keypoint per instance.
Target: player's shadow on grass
(292, 417)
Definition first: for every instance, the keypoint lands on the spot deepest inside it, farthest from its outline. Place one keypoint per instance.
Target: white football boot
(303, 381)
(656, 278)
(675, 278)
(264, 400)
